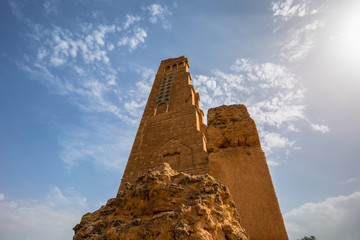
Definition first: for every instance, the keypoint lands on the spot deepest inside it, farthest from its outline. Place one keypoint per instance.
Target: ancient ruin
(172, 131)
(165, 204)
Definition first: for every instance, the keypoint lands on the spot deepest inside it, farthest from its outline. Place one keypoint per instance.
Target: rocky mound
(165, 204)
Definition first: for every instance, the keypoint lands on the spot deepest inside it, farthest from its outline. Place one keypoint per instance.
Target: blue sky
(75, 76)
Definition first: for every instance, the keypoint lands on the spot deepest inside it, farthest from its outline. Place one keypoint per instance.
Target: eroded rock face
(230, 126)
(165, 204)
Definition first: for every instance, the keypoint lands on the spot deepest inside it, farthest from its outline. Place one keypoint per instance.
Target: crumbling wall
(236, 159)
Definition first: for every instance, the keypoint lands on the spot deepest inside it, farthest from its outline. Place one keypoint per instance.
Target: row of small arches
(174, 66)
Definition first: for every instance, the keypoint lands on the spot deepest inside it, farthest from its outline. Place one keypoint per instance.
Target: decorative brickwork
(165, 92)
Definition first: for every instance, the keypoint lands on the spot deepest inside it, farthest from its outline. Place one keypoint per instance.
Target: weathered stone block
(236, 159)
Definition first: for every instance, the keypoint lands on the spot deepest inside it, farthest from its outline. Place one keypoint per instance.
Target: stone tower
(172, 130)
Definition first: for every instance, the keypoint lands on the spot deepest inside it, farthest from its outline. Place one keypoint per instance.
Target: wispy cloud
(51, 6)
(329, 219)
(130, 19)
(300, 41)
(50, 218)
(60, 46)
(273, 95)
(350, 180)
(135, 106)
(287, 9)
(272, 141)
(93, 88)
(159, 12)
(320, 128)
(302, 37)
(137, 37)
(103, 144)
(17, 9)
(88, 76)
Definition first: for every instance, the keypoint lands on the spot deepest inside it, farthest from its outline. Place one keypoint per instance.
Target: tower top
(171, 65)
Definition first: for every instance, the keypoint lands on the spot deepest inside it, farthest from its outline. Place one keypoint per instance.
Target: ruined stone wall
(171, 129)
(236, 159)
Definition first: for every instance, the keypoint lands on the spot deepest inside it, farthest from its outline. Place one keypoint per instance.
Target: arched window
(168, 68)
(174, 66)
(181, 64)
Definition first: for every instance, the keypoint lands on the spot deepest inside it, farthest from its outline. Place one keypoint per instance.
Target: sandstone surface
(230, 126)
(165, 204)
(237, 160)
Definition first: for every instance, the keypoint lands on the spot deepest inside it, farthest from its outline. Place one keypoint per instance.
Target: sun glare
(345, 35)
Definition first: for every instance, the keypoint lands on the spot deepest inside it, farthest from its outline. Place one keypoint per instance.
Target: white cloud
(145, 84)
(88, 77)
(85, 91)
(2, 197)
(97, 142)
(112, 82)
(111, 47)
(272, 163)
(135, 106)
(300, 42)
(51, 6)
(138, 37)
(94, 87)
(159, 12)
(56, 198)
(320, 128)
(79, 70)
(350, 180)
(99, 34)
(42, 52)
(130, 19)
(287, 9)
(17, 9)
(50, 219)
(57, 61)
(93, 95)
(59, 46)
(273, 95)
(271, 141)
(333, 219)
(276, 94)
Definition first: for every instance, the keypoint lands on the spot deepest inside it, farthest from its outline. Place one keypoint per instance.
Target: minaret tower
(172, 128)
